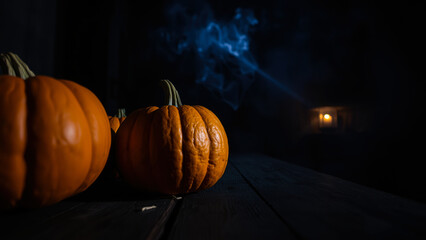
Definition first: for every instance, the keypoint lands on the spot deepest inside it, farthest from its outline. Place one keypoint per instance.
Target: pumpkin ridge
(27, 155)
(182, 151)
(40, 93)
(140, 119)
(213, 175)
(78, 190)
(151, 152)
(196, 160)
(128, 146)
(14, 160)
(82, 187)
(184, 154)
(175, 134)
(148, 114)
(210, 162)
(181, 169)
(200, 174)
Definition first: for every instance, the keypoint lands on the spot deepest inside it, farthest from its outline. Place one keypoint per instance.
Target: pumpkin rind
(114, 123)
(172, 149)
(219, 148)
(59, 148)
(99, 129)
(55, 139)
(117, 120)
(13, 139)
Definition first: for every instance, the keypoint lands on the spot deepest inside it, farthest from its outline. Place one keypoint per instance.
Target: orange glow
(327, 117)
(326, 120)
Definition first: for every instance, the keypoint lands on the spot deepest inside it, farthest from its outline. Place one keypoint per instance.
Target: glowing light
(326, 120)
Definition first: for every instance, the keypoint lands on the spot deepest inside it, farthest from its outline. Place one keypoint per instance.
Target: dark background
(364, 56)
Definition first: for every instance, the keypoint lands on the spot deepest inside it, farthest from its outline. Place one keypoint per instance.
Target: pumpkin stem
(121, 113)
(12, 65)
(171, 94)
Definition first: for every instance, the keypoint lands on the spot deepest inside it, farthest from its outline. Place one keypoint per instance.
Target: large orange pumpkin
(54, 137)
(173, 149)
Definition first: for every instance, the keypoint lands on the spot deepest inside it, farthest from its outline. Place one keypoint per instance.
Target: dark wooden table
(258, 198)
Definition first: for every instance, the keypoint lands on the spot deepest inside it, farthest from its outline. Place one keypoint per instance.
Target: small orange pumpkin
(117, 120)
(110, 172)
(54, 137)
(173, 149)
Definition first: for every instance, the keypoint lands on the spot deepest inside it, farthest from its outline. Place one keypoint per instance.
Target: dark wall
(28, 28)
(299, 54)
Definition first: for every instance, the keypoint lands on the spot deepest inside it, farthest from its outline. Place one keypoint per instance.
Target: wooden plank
(228, 210)
(94, 215)
(13, 222)
(104, 220)
(319, 206)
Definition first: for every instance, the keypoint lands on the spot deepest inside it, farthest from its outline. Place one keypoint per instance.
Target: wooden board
(93, 215)
(257, 198)
(17, 222)
(319, 206)
(229, 210)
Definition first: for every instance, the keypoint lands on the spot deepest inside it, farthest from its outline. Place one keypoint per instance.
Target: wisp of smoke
(226, 64)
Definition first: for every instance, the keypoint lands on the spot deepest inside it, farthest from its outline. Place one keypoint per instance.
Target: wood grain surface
(258, 197)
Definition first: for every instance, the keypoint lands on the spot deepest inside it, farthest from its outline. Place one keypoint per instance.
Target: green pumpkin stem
(121, 113)
(5, 65)
(171, 94)
(12, 65)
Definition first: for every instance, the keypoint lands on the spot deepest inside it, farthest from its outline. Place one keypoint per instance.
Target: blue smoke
(225, 47)
(226, 64)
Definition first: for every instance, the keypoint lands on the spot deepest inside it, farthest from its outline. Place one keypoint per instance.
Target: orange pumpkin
(173, 149)
(54, 137)
(117, 120)
(110, 171)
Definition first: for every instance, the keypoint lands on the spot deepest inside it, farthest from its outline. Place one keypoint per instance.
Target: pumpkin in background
(110, 172)
(173, 149)
(117, 120)
(54, 137)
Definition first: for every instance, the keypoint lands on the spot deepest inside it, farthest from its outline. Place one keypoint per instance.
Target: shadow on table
(105, 190)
